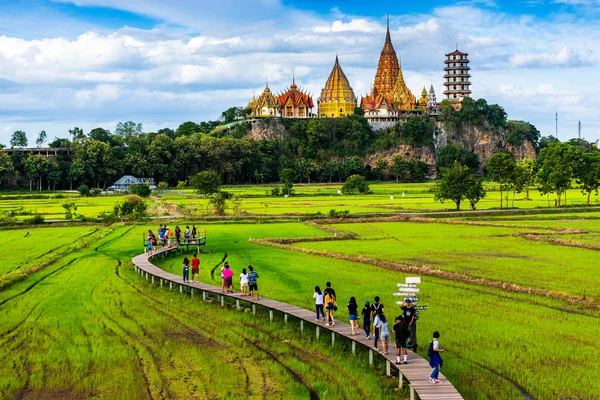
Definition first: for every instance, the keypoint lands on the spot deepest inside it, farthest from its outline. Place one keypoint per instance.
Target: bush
(206, 182)
(275, 191)
(35, 220)
(140, 190)
(60, 196)
(162, 186)
(70, 208)
(84, 190)
(181, 185)
(219, 202)
(133, 206)
(106, 217)
(96, 191)
(356, 184)
(338, 214)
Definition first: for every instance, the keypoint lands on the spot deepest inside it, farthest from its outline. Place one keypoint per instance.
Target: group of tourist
(165, 236)
(375, 322)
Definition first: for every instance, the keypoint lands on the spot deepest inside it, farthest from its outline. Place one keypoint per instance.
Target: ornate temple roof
(402, 97)
(297, 96)
(265, 99)
(457, 53)
(337, 88)
(388, 67)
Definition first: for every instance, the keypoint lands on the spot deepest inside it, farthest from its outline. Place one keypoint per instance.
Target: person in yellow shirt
(169, 236)
(329, 307)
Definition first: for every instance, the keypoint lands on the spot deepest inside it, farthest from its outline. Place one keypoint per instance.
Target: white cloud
(355, 25)
(566, 57)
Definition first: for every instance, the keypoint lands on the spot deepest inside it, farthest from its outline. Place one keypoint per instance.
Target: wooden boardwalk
(416, 372)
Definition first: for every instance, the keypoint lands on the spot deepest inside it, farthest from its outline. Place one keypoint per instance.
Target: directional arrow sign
(409, 290)
(407, 285)
(421, 307)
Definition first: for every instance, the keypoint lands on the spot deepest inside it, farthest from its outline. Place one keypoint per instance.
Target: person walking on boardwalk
(193, 231)
(366, 314)
(401, 334)
(187, 233)
(186, 270)
(410, 319)
(177, 234)
(329, 291)
(244, 282)
(352, 308)
(376, 311)
(149, 246)
(435, 358)
(252, 284)
(228, 278)
(318, 295)
(195, 268)
(169, 235)
(330, 307)
(384, 332)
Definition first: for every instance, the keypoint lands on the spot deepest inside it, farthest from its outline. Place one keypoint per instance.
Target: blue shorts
(353, 317)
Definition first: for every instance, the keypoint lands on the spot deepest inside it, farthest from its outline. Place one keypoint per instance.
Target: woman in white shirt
(318, 295)
(244, 282)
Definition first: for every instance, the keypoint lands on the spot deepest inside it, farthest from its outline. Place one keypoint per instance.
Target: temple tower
(337, 97)
(387, 69)
(457, 76)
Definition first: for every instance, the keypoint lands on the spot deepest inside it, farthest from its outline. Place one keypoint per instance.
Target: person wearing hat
(409, 315)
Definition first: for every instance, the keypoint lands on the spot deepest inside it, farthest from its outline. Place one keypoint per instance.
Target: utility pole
(556, 123)
(579, 130)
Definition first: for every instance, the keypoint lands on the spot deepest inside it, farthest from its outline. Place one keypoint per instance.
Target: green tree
(287, 177)
(35, 167)
(582, 145)
(359, 111)
(399, 168)
(232, 114)
(206, 182)
(546, 141)
(381, 168)
(97, 161)
(356, 184)
(188, 129)
(501, 167)
(588, 174)
(219, 202)
(305, 168)
(455, 184)
(450, 153)
(557, 166)
(70, 208)
(84, 190)
(18, 139)
(101, 135)
(76, 133)
(162, 186)
(41, 139)
(140, 190)
(418, 130)
(6, 167)
(522, 131)
(524, 176)
(475, 191)
(128, 129)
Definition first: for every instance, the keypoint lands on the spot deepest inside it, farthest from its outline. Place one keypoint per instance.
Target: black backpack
(430, 351)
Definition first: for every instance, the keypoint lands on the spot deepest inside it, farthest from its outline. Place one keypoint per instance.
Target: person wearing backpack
(435, 358)
(376, 311)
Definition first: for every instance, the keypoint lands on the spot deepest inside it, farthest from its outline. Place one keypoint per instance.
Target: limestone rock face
(424, 154)
(483, 141)
(268, 129)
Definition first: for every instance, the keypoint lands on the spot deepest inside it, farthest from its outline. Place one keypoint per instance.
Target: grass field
(516, 298)
(306, 200)
(500, 342)
(88, 326)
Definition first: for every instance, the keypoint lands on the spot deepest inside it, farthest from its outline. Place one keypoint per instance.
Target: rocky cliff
(482, 141)
(268, 129)
(424, 154)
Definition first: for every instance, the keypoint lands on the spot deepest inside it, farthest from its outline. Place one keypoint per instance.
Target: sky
(91, 63)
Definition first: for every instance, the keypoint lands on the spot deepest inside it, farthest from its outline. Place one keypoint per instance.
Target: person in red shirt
(195, 268)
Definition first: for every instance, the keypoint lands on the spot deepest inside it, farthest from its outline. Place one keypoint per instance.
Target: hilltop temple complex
(390, 100)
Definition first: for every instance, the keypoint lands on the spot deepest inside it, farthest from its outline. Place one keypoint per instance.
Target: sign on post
(416, 279)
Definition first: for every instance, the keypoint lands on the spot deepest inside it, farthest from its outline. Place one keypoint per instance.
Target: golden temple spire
(337, 97)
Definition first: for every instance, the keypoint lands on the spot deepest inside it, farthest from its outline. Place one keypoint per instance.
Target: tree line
(559, 167)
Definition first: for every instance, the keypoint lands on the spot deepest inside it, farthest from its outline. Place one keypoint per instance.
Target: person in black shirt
(329, 290)
(366, 313)
(353, 315)
(401, 333)
(409, 314)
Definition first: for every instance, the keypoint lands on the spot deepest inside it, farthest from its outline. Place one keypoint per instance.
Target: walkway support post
(271, 315)
(192, 292)
(170, 285)
(253, 308)
(353, 347)
(400, 377)
(318, 331)
(332, 338)
(370, 357)
(285, 317)
(388, 368)
(222, 300)
(301, 325)
(203, 295)
(153, 279)
(161, 282)
(412, 392)
(237, 304)
(180, 288)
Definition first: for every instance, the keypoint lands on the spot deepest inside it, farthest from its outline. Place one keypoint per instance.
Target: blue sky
(90, 63)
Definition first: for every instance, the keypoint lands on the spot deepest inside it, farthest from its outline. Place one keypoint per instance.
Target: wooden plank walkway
(416, 372)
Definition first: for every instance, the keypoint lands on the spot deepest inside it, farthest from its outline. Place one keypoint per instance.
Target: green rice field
(516, 299)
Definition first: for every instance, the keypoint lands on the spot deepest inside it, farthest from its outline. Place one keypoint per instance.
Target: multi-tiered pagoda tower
(457, 76)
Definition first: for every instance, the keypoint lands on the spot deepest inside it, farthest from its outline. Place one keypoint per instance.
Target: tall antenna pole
(579, 130)
(556, 121)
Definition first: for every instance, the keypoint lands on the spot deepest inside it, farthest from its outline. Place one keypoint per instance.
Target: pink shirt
(227, 273)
